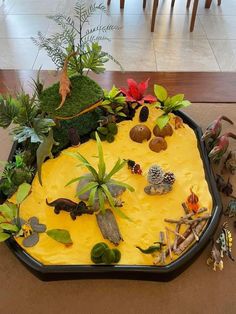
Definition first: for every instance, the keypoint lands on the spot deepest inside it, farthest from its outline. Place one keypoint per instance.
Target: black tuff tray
(155, 273)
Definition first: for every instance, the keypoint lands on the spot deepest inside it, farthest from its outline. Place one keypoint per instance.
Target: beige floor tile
(23, 26)
(225, 53)
(17, 53)
(177, 26)
(184, 55)
(133, 54)
(34, 7)
(227, 7)
(131, 7)
(219, 27)
(132, 25)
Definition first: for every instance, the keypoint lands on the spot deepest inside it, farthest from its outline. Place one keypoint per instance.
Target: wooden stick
(185, 207)
(162, 242)
(168, 243)
(177, 228)
(176, 233)
(187, 221)
(186, 243)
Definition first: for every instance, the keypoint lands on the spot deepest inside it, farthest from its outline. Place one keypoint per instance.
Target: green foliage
(60, 235)
(26, 117)
(22, 193)
(168, 104)
(99, 185)
(106, 133)
(15, 173)
(72, 38)
(102, 254)
(113, 102)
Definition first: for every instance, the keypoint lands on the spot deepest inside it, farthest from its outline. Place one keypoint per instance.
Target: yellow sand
(147, 212)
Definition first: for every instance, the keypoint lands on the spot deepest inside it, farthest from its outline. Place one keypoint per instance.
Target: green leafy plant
(114, 102)
(89, 55)
(24, 114)
(10, 224)
(99, 185)
(102, 254)
(168, 104)
(61, 236)
(106, 133)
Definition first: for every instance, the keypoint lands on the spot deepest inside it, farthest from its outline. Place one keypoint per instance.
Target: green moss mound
(84, 93)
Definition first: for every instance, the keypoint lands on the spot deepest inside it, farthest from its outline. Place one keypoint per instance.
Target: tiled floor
(211, 47)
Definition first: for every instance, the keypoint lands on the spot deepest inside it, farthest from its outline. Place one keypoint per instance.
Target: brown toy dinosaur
(65, 84)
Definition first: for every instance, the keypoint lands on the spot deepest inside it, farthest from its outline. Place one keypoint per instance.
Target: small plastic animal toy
(230, 162)
(220, 147)
(178, 123)
(214, 128)
(215, 258)
(231, 209)
(225, 241)
(71, 207)
(135, 168)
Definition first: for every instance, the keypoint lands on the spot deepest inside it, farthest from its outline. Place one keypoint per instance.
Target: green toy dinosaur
(45, 150)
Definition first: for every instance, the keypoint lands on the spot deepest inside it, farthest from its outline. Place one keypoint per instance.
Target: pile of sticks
(183, 241)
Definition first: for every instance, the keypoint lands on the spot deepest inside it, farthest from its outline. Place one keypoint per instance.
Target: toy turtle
(225, 241)
(231, 209)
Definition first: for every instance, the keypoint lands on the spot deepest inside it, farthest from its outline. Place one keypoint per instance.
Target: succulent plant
(102, 254)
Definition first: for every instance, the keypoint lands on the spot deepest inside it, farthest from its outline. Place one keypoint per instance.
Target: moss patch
(84, 93)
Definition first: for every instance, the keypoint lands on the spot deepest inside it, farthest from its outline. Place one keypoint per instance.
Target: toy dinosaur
(44, 150)
(231, 209)
(224, 187)
(178, 123)
(65, 83)
(230, 162)
(214, 128)
(225, 240)
(220, 146)
(71, 207)
(215, 258)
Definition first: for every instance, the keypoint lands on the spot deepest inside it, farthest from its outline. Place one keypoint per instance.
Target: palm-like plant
(100, 183)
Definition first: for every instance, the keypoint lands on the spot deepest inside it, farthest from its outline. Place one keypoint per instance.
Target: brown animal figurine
(215, 258)
(71, 207)
(230, 162)
(65, 84)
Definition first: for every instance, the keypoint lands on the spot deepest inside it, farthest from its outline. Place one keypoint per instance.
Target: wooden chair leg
(208, 4)
(108, 2)
(172, 3)
(188, 4)
(122, 4)
(219, 2)
(144, 4)
(194, 13)
(154, 13)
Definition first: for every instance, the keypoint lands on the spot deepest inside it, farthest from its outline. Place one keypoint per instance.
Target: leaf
(122, 114)
(60, 235)
(101, 163)
(106, 102)
(162, 121)
(89, 186)
(111, 201)
(117, 167)
(22, 192)
(101, 199)
(8, 111)
(125, 185)
(4, 236)
(7, 211)
(182, 104)
(92, 196)
(9, 227)
(160, 92)
(177, 98)
(75, 180)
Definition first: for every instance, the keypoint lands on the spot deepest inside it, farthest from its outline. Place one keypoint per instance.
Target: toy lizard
(225, 241)
(44, 150)
(71, 207)
(215, 258)
(65, 83)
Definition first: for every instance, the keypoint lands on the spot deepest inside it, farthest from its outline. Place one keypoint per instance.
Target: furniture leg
(219, 2)
(194, 13)
(108, 2)
(188, 4)
(154, 12)
(144, 4)
(122, 4)
(172, 3)
(208, 4)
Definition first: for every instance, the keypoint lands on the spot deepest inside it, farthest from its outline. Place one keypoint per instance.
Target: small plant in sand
(168, 104)
(114, 103)
(97, 187)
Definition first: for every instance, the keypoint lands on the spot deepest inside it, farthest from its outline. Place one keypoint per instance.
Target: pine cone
(144, 113)
(169, 178)
(155, 174)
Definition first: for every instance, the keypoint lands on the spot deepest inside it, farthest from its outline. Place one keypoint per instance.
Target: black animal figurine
(71, 207)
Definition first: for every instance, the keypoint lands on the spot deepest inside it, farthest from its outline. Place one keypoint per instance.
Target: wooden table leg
(154, 13)
(122, 4)
(208, 4)
(219, 2)
(188, 4)
(108, 2)
(172, 3)
(144, 4)
(194, 13)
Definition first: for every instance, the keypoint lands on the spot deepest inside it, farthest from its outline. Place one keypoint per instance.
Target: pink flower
(136, 91)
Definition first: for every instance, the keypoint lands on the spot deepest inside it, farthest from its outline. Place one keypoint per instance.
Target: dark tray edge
(154, 273)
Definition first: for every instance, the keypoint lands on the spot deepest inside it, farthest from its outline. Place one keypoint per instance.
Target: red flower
(136, 91)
